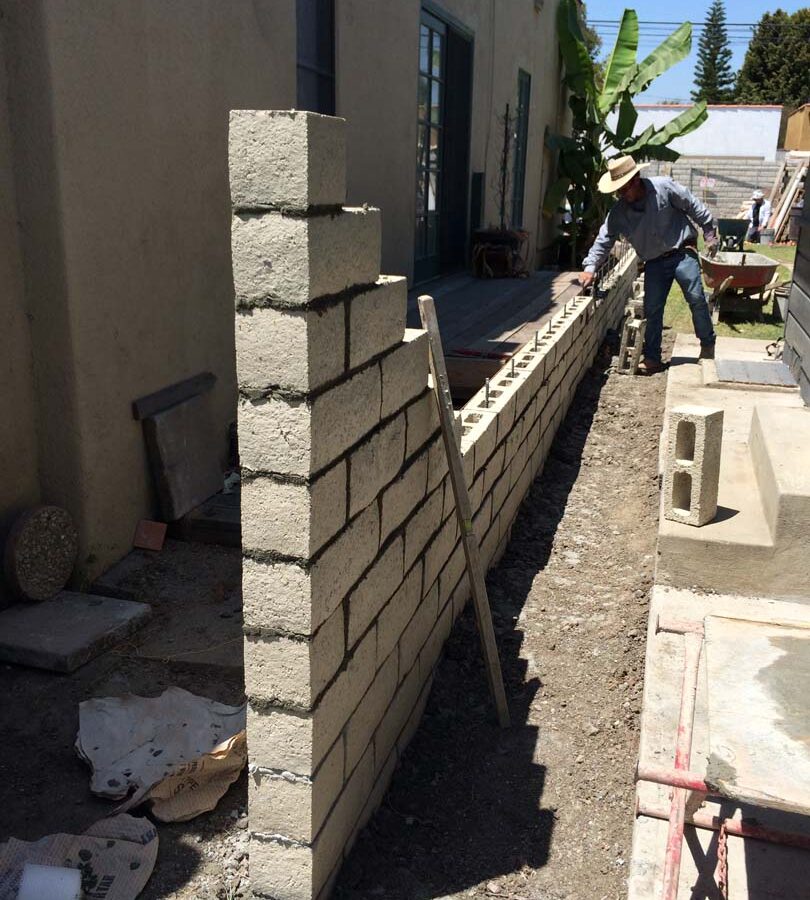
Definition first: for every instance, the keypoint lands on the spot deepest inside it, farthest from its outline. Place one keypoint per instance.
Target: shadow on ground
(467, 803)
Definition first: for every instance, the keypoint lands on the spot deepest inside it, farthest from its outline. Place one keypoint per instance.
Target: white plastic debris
(178, 751)
(53, 882)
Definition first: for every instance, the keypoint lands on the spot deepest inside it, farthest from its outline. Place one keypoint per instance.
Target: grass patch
(678, 317)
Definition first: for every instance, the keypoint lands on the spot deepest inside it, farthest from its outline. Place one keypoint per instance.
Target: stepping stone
(66, 632)
(40, 552)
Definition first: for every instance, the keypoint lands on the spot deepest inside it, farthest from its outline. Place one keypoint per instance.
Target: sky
(678, 82)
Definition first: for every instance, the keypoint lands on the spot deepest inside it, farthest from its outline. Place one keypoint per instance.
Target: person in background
(759, 213)
(658, 217)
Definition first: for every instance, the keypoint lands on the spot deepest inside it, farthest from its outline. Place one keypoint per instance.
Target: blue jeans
(659, 274)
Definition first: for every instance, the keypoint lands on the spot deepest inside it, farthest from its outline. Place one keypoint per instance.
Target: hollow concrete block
(692, 472)
(294, 349)
(286, 158)
(290, 261)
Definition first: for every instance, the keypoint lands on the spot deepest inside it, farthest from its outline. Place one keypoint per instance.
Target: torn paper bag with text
(115, 856)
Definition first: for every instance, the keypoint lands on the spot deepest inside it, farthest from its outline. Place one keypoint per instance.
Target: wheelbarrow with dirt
(740, 282)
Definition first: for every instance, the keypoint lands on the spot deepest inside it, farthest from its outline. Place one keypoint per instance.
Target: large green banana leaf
(670, 51)
(579, 74)
(626, 121)
(621, 67)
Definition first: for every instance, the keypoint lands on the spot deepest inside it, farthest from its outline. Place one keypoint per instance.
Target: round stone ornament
(41, 552)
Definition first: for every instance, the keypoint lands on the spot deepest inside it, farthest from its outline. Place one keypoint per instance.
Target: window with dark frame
(430, 122)
(315, 25)
(521, 143)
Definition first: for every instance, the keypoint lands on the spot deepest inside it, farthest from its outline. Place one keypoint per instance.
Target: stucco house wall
(377, 95)
(19, 484)
(119, 123)
(115, 208)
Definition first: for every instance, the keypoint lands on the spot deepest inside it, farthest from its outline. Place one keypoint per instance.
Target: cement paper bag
(116, 856)
(178, 751)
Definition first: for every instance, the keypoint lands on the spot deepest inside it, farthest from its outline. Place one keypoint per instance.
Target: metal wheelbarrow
(740, 282)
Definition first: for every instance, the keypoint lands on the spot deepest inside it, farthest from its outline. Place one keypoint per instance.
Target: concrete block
(341, 699)
(295, 805)
(293, 260)
(454, 570)
(376, 319)
(280, 868)
(283, 670)
(422, 526)
(405, 371)
(423, 423)
(403, 495)
(299, 350)
(429, 655)
(396, 614)
(418, 630)
(439, 550)
(289, 870)
(494, 468)
(692, 471)
(290, 159)
(374, 591)
(293, 518)
(370, 711)
(300, 436)
(438, 467)
(411, 726)
(299, 598)
(375, 463)
(397, 714)
(280, 738)
(480, 433)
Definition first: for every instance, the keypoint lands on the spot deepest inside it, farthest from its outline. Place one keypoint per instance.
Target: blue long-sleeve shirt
(660, 223)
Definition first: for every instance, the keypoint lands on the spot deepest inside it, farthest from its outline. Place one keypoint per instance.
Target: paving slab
(761, 755)
(757, 870)
(66, 632)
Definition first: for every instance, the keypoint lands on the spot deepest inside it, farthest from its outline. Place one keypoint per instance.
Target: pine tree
(714, 80)
(776, 68)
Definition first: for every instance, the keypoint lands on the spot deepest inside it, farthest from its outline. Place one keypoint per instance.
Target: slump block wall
(353, 571)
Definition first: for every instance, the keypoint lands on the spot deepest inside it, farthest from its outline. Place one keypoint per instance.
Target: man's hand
(710, 242)
(585, 279)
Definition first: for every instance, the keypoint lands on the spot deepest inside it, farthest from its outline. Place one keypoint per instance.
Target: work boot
(650, 367)
(706, 351)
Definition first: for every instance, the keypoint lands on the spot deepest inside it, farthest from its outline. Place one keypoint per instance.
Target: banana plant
(581, 156)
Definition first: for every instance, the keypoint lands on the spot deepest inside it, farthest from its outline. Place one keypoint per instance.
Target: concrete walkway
(753, 563)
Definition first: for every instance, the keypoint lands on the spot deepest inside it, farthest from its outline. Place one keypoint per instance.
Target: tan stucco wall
(120, 122)
(377, 56)
(19, 484)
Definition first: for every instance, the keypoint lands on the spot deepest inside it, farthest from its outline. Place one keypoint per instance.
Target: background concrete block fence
(353, 570)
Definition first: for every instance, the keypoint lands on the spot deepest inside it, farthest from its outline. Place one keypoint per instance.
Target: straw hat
(619, 172)
(757, 195)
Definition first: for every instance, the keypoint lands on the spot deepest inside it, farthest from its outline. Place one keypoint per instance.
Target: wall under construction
(353, 571)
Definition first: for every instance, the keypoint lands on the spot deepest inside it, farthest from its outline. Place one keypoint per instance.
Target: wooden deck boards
(483, 322)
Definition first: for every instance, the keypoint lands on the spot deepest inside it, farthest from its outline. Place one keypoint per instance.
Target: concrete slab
(769, 374)
(737, 551)
(761, 756)
(64, 633)
(756, 870)
(194, 591)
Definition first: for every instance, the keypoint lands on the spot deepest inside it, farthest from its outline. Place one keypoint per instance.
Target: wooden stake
(483, 614)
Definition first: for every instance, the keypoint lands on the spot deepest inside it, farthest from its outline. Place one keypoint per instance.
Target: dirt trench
(542, 811)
